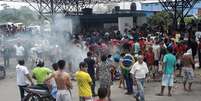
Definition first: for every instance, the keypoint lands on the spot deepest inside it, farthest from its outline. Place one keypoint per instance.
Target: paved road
(9, 92)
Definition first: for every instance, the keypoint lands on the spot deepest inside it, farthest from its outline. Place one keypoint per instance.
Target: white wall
(125, 23)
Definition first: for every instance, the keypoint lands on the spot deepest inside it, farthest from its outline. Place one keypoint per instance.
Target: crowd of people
(130, 57)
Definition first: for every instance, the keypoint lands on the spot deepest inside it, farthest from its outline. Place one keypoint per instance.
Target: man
(139, 71)
(19, 51)
(169, 63)
(105, 75)
(136, 47)
(40, 73)
(127, 63)
(156, 50)
(188, 73)
(91, 70)
(84, 83)
(149, 56)
(22, 76)
(6, 55)
(199, 53)
(63, 82)
(194, 46)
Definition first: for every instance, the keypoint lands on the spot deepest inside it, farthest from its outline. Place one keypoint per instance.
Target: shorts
(86, 98)
(167, 80)
(188, 74)
(63, 95)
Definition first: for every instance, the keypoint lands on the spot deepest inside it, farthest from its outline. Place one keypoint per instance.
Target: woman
(105, 75)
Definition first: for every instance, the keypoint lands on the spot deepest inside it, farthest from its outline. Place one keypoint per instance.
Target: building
(156, 6)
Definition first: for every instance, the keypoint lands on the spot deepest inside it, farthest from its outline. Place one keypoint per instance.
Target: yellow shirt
(83, 81)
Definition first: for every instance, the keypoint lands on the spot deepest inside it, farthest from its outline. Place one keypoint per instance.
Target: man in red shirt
(149, 56)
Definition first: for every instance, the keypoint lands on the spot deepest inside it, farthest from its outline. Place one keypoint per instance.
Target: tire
(32, 97)
(2, 72)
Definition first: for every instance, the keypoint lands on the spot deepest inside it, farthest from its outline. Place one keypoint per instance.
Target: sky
(124, 5)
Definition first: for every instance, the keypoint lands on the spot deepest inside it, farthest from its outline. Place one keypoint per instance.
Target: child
(53, 83)
(102, 94)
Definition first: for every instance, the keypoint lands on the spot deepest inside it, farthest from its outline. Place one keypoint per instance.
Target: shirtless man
(63, 82)
(188, 73)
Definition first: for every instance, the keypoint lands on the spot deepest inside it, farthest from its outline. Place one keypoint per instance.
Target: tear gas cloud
(53, 45)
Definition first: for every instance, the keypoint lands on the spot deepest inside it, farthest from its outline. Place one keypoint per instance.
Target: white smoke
(55, 44)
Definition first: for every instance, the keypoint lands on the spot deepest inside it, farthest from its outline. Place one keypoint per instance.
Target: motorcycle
(37, 94)
(2, 72)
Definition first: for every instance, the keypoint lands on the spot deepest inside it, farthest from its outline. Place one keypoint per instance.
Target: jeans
(6, 61)
(129, 83)
(140, 89)
(21, 88)
(93, 85)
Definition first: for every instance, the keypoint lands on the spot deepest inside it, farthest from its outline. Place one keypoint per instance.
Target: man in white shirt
(139, 71)
(22, 74)
(19, 51)
(156, 50)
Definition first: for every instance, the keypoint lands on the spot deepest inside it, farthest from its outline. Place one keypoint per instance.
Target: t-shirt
(90, 63)
(41, 73)
(136, 48)
(149, 56)
(140, 69)
(21, 72)
(170, 61)
(127, 62)
(83, 81)
(156, 50)
(19, 50)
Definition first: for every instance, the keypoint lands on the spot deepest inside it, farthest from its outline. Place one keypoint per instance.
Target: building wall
(156, 6)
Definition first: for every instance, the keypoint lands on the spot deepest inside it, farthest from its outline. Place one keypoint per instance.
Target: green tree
(23, 15)
(160, 19)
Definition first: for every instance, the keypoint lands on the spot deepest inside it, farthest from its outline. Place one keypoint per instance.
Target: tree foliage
(162, 19)
(23, 15)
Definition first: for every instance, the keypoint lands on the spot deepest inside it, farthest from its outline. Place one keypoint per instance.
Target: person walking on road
(84, 83)
(22, 74)
(139, 71)
(104, 75)
(63, 82)
(188, 73)
(91, 70)
(169, 64)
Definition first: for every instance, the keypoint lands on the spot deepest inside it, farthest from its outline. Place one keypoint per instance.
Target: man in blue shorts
(169, 63)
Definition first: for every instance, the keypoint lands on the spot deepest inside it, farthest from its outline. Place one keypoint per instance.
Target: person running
(139, 71)
(102, 94)
(84, 83)
(40, 73)
(22, 76)
(63, 82)
(188, 74)
(91, 70)
(169, 63)
(104, 75)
